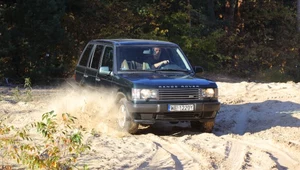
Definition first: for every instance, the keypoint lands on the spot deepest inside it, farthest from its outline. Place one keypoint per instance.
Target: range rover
(146, 93)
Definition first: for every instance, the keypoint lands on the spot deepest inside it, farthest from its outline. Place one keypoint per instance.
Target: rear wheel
(125, 119)
(203, 126)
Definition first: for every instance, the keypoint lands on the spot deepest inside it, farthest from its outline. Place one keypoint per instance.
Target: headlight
(144, 94)
(210, 92)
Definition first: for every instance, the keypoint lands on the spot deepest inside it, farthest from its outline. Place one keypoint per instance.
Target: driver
(156, 61)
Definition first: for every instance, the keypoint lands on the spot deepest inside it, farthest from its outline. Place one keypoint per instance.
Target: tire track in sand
(258, 154)
(170, 155)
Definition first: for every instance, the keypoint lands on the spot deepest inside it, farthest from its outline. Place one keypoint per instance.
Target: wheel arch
(120, 95)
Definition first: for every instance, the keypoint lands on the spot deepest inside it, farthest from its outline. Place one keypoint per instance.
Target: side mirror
(104, 70)
(198, 69)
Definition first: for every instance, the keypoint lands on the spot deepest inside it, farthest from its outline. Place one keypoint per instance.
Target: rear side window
(97, 56)
(85, 55)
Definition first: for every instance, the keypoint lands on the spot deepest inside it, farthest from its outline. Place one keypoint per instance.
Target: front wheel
(203, 126)
(125, 120)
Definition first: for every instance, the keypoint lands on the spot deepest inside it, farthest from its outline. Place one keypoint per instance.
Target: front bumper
(151, 113)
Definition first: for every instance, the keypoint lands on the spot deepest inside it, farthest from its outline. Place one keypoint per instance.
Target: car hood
(166, 80)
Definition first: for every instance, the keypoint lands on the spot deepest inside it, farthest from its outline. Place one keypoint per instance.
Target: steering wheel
(170, 65)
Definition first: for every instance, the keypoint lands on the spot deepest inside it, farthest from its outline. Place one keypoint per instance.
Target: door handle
(98, 79)
(85, 76)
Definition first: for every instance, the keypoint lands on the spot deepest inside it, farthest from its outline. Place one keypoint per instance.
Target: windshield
(151, 58)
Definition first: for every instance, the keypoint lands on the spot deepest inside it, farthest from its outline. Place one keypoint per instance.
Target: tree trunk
(211, 11)
(189, 13)
(238, 15)
(298, 14)
(230, 6)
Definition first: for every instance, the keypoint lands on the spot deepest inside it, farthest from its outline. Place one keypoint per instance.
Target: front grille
(180, 94)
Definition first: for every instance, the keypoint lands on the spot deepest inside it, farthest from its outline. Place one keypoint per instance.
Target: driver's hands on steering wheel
(159, 64)
(166, 61)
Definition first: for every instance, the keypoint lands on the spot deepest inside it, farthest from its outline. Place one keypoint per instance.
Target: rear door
(80, 71)
(94, 64)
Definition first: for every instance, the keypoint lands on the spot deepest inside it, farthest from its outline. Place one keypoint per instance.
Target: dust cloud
(95, 109)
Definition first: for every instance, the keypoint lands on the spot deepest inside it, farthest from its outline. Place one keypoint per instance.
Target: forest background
(255, 39)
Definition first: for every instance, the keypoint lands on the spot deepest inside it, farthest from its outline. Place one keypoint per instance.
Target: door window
(108, 58)
(86, 54)
(96, 57)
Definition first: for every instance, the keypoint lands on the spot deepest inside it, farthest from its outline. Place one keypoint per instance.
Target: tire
(125, 119)
(203, 126)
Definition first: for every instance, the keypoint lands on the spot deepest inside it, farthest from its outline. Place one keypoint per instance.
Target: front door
(104, 76)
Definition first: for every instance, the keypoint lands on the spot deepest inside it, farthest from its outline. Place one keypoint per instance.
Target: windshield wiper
(183, 70)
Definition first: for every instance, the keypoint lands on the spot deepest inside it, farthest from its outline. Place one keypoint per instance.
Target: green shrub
(17, 94)
(28, 89)
(26, 96)
(60, 145)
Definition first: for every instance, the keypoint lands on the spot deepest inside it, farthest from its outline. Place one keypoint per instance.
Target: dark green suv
(152, 81)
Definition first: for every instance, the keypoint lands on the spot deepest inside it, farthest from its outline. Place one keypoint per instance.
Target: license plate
(180, 108)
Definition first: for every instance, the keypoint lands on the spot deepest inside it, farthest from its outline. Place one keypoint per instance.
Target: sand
(258, 127)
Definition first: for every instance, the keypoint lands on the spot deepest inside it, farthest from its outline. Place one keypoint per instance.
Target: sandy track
(258, 127)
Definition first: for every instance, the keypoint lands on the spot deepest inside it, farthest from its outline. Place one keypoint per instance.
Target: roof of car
(134, 42)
